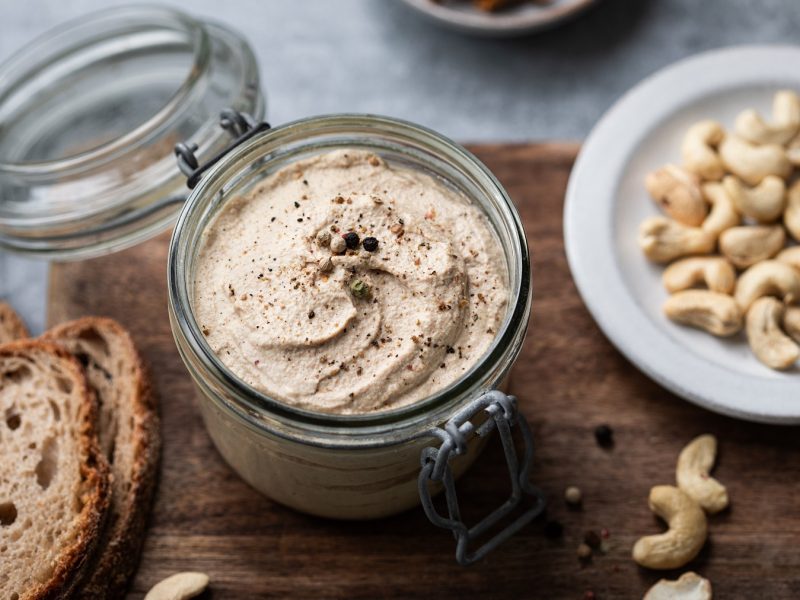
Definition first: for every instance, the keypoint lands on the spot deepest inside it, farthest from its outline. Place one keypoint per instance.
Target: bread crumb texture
(48, 481)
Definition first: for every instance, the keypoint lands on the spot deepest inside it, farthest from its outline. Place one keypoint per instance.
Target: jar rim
(67, 38)
(185, 326)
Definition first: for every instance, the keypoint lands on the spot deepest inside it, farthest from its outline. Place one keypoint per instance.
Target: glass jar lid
(90, 114)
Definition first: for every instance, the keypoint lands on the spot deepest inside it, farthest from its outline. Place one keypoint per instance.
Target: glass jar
(90, 113)
(344, 467)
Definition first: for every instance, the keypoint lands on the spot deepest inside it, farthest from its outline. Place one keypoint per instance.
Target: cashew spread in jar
(359, 331)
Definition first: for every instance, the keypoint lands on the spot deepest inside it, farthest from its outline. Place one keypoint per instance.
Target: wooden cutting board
(568, 378)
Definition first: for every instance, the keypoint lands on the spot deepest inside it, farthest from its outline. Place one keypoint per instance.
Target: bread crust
(74, 561)
(123, 538)
(12, 327)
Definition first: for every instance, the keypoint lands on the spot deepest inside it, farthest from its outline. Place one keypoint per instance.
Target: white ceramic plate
(518, 20)
(606, 201)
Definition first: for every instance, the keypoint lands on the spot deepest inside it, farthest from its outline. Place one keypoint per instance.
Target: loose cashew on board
(723, 214)
(686, 534)
(716, 313)
(715, 272)
(767, 278)
(692, 474)
(689, 586)
(767, 340)
(698, 150)
(663, 240)
(180, 586)
(785, 121)
(764, 202)
(747, 245)
(678, 193)
(753, 163)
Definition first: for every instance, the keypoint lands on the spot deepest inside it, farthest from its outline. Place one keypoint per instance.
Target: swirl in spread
(291, 317)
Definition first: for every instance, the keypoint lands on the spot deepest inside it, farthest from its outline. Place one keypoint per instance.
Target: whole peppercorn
(370, 244)
(573, 495)
(338, 245)
(553, 529)
(351, 239)
(604, 436)
(359, 289)
(324, 238)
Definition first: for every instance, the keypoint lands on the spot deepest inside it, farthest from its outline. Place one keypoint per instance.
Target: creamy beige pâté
(277, 304)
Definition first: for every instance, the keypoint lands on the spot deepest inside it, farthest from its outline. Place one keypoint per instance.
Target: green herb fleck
(359, 289)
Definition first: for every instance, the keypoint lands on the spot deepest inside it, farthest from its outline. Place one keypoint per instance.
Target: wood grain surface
(568, 378)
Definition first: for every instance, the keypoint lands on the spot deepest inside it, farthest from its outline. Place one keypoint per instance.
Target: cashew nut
(785, 116)
(689, 586)
(663, 240)
(180, 586)
(790, 256)
(791, 216)
(786, 108)
(698, 150)
(793, 151)
(764, 202)
(752, 163)
(715, 271)
(767, 341)
(685, 536)
(723, 214)
(749, 244)
(767, 278)
(791, 322)
(678, 192)
(692, 474)
(712, 311)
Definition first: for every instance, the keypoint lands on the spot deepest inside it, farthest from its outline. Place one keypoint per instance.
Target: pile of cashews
(724, 234)
(684, 508)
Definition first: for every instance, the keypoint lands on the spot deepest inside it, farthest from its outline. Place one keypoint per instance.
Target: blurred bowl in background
(521, 19)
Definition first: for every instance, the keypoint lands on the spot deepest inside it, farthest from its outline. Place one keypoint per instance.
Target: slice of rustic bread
(129, 438)
(54, 482)
(11, 326)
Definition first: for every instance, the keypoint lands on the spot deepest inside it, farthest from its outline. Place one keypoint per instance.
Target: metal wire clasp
(241, 126)
(503, 415)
